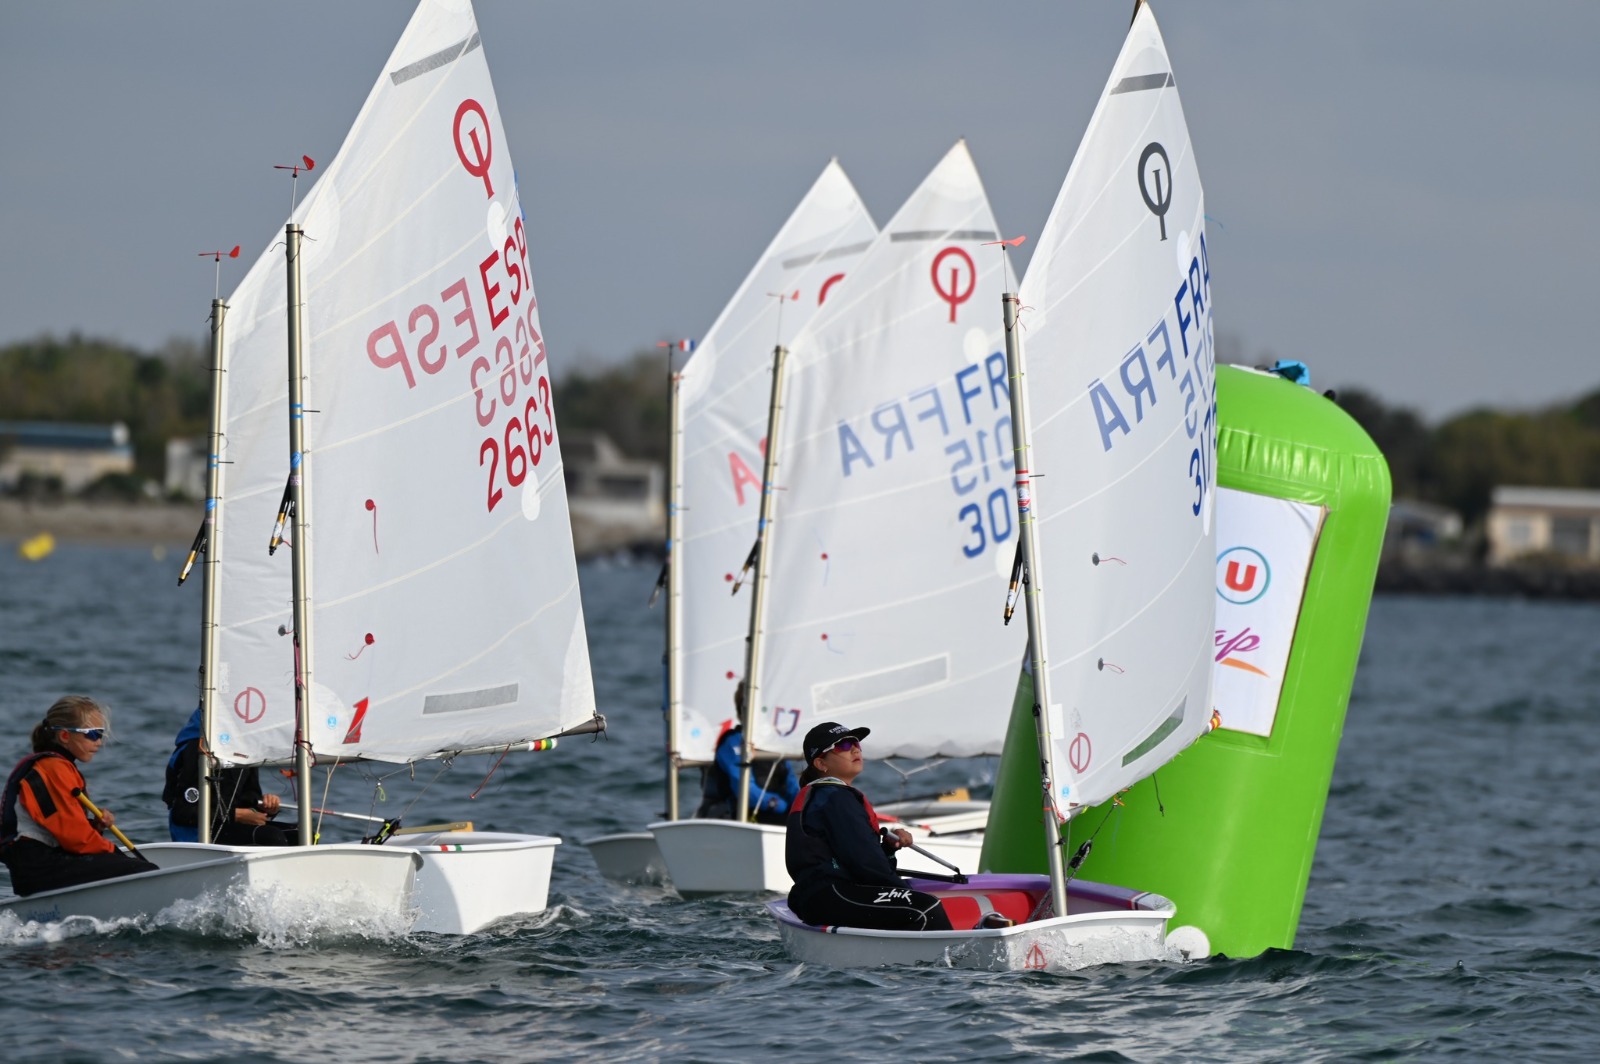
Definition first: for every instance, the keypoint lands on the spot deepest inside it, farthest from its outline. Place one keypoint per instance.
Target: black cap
(821, 739)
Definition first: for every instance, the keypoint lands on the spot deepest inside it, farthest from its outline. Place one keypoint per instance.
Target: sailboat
(719, 426)
(1115, 484)
(421, 600)
(353, 880)
(886, 518)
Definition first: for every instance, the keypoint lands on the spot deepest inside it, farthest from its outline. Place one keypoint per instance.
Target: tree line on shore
(164, 394)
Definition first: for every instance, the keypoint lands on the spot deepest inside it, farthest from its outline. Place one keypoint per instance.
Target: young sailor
(772, 786)
(839, 856)
(240, 812)
(47, 838)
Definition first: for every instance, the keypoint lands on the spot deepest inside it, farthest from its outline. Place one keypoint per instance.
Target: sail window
(898, 682)
(461, 701)
(1151, 741)
(1142, 82)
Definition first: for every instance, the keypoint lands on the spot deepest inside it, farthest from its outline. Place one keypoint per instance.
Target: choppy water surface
(1452, 907)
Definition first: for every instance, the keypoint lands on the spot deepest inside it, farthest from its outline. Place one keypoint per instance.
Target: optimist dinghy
(726, 856)
(445, 593)
(719, 408)
(1118, 538)
(884, 523)
(435, 607)
(1106, 924)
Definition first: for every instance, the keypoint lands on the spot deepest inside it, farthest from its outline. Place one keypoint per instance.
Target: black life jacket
(24, 773)
(716, 792)
(232, 786)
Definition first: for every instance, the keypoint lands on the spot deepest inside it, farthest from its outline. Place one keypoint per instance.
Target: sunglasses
(846, 745)
(94, 735)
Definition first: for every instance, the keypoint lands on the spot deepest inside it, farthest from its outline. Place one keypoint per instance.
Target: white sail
(894, 527)
(442, 577)
(253, 670)
(723, 397)
(1118, 336)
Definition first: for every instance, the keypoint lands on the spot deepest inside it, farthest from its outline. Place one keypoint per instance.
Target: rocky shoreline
(1528, 580)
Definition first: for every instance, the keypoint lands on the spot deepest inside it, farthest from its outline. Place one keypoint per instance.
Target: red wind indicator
(1015, 241)
(217, 256)
(306, 163)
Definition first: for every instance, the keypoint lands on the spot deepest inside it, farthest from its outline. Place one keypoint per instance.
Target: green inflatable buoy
(1228, 829)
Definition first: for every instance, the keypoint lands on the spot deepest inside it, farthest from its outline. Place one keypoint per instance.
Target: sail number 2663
(509, 385)
(522, 441)
(520, 388)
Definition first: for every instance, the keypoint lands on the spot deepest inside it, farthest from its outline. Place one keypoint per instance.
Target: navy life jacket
(174, 790)
(806, 855)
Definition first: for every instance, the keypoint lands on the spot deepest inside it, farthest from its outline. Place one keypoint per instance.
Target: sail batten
(428, 64)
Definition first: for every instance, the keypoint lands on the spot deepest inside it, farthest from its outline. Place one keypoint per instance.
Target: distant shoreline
(81, 521)
(1525, 580)
(174, 524)
(152, 524)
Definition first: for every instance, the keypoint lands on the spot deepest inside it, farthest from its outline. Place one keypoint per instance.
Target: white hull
(635, 856)
(381, 882)
(630, 857)
(470, 879)
(465, 881)
(936, 817)
(724, 856)
(721, 856)
(1107, 925)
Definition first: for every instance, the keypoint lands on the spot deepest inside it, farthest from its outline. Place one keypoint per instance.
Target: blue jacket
(770, 803)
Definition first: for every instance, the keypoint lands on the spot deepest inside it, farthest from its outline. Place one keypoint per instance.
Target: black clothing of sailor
(837, 854)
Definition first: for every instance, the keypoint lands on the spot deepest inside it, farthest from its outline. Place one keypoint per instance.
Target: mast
(1033, 594)
(300, 553)
(674, 651)
(211, 537)
(758, 590)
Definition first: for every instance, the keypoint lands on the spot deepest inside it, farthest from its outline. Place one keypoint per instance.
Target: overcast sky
(1403, 195)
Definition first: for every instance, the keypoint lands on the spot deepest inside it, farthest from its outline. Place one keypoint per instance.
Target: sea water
(1452, 909)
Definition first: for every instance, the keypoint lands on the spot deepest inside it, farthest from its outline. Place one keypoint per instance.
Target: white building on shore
(73, 456)
(1553, 522)
(617, 503)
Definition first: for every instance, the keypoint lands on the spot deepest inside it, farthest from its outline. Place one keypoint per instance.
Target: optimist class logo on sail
(510, 383)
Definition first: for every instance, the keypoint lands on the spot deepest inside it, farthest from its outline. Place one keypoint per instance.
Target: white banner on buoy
(1264, 551)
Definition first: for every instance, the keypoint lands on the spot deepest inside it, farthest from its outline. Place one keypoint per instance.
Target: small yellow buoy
(38, 547)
